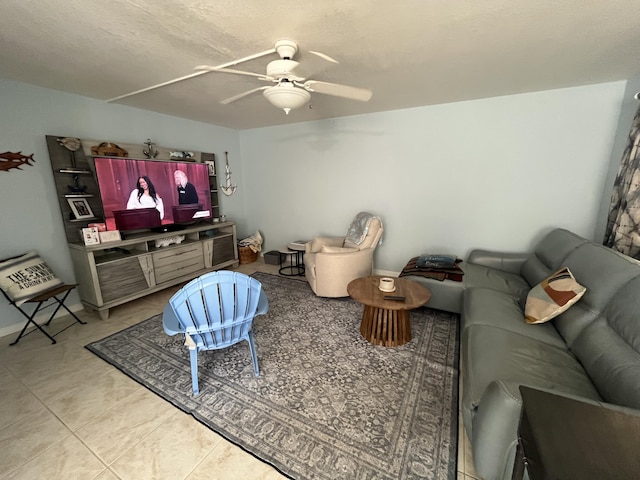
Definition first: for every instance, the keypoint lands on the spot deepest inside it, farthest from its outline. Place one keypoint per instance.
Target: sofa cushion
(487, 277)
(318, 242)
(603, 272)
(26, 276)
(609, 348)
(519, 360)
(552, 296)
(483, 306)
(549, 254)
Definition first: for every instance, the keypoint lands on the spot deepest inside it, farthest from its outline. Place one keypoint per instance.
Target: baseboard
(385, 273)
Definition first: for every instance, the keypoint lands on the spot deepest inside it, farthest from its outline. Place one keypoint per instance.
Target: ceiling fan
(290, 90)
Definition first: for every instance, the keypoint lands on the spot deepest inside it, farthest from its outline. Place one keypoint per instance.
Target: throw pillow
(554, 295)
(24, 277)
(436, 261)
(328, 249)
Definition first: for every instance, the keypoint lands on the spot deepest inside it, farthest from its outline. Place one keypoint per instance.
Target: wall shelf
(75, 171)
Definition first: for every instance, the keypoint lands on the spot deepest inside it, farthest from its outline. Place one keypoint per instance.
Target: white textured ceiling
(409, 52)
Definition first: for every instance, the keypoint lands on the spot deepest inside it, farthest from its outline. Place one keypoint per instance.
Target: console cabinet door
(124, 277)
(223, 249)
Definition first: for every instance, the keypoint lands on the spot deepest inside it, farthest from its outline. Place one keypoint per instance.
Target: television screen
(142, 194)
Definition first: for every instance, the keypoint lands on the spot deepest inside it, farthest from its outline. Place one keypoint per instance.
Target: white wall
(29, 211)
(494, 173)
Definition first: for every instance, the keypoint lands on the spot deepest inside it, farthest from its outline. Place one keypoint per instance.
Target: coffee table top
(365, 290)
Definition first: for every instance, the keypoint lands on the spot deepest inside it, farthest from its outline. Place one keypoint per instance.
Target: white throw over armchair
(332, 262)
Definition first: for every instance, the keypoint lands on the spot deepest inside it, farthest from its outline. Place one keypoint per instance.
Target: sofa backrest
(548, 255)
(603, 272)
(609, 347)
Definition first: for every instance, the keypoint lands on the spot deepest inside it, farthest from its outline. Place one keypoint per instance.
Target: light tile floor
(66, 414)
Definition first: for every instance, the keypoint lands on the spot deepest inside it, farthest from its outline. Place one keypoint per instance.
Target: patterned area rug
(327, 404)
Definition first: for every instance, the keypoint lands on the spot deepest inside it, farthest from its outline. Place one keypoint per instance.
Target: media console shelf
(113, 273)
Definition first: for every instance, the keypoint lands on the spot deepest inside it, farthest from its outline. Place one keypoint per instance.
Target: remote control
(394, 297)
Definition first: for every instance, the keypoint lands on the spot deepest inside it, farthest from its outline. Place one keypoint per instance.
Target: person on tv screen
(145, 196)
(187, 193)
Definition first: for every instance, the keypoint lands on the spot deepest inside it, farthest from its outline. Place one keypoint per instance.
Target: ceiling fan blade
(325, 56)
(153, 87)
(209, 68)
(240, 95)
(353, 93)
(192, 75)
(247, 58)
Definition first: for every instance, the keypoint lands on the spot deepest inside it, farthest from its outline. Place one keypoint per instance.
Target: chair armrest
(507, 262)
(263, 304)
(316, 244)
(170, 322)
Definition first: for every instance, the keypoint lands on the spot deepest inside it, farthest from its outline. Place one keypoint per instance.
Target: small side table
(386, 322)
(294, 258)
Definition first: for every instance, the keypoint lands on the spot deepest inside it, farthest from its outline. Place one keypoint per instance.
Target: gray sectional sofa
(592, 350)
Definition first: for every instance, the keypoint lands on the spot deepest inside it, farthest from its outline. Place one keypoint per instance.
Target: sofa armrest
(507, 262)
(494, 432)
(316, 244)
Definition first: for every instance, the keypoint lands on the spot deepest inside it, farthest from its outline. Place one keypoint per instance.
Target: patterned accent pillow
(552, 296)
(24, 277)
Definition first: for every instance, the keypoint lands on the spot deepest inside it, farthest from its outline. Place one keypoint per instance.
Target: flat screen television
(141, 194)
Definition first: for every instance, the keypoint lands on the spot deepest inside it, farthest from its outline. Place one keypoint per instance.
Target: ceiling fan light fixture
(286, 96)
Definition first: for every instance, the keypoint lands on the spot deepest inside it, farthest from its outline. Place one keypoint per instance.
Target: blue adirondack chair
(214, 311)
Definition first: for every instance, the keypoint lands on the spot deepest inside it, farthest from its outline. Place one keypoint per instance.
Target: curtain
(623, 226)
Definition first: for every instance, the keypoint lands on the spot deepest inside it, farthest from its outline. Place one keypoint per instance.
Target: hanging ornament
(72, 144)
(228, 189)
(150, 152)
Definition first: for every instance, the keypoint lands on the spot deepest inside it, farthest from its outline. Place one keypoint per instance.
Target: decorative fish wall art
(9, 160)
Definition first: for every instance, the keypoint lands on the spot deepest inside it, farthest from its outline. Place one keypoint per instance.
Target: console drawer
(177, 262)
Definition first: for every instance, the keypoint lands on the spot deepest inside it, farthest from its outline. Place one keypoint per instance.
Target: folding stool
(52, 296)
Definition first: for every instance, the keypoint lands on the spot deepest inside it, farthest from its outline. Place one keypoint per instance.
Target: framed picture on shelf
(80, 208)
(212, 168)
(90, 236)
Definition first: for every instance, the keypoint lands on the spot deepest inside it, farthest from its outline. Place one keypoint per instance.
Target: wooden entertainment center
(112, 273)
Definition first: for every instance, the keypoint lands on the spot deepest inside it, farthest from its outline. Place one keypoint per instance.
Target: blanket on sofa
(453, 273)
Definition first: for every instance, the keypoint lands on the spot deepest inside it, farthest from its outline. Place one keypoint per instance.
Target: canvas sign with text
(24, 277)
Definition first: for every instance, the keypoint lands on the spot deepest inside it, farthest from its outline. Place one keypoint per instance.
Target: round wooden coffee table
(386, 322)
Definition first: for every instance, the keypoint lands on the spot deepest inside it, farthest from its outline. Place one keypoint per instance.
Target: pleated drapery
(623, 227)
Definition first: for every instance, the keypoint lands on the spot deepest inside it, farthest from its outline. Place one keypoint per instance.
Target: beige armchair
(332, 262)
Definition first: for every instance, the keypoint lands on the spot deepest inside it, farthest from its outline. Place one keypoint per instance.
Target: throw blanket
(359, 228)
(453, 273)
(254, 242)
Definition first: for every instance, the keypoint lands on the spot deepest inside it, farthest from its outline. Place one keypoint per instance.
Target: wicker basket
(247, 255)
